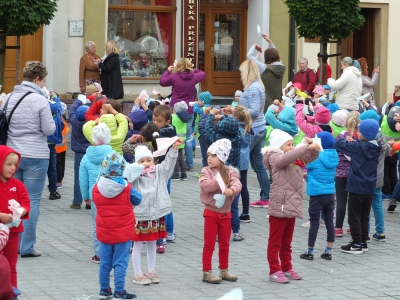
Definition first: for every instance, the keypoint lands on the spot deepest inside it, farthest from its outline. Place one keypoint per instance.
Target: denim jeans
(188, 146)
(96, 242)
(396, 192)
(77, 189)
(32, 172)
(378, 212)
(52, 169)
(235, 222)
(256, 161)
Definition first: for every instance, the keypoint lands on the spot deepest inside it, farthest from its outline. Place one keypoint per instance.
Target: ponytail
(150, 132)
(241, 114)
(352, 122)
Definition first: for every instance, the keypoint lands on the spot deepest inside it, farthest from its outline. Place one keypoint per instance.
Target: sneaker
(379, 237)
(244, 219)
(364, 247)
(105, 294)
(59, 185)
(197, 175)
(348, 230)
(339, 232)
(278, 277)
(351, 249)
(153, 276)
(88, 205)
(225, 275)
(392, 205)
(141, 279)
(260, 203)
(183, 176)
(326, 255)
(293, 275)
(306, 224)
(209, 277)
(189, 169)
(368, 239)
(96, 259)
(238, 237)
(307, 256)
(123, 295)
(321, 223)
(161, 248)
(54, 196)
(171, 238)
(175, 176)
(35, 253)
(75, 206)
(386, 197)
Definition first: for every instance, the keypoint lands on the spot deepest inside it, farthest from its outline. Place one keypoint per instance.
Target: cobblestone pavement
(65, 271)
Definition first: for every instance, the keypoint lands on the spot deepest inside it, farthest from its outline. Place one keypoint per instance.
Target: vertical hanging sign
(190, 30)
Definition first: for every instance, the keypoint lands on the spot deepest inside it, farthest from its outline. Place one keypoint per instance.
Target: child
(136, 120)
(179, 120)
(235, 101)
(217, 216)
(205, 98)
(285, 163)
(61, 149)
(338, 122)
(150, 214)
(284, 121)
(321, 189)
(12, 189)
(89, 173)
(114, 199)
(361, 182)
(306, 123)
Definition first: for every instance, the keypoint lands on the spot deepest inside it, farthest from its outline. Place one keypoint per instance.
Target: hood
(353, 70)
(167, 131)
(380, 139)
(287, 115)
(4, 152)
(228, 126)
(370, 149)
(109, 188)
(110, 121)
(277, 70)
(96, 153)
(186, 75)
(329, 158)
(183, 116)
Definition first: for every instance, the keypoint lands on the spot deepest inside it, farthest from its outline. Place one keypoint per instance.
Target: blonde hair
(34, 69)
(241, 114)
(183, 65)
(249, 72)
(89, 44)
(352, 122)
(224, 174)
(13, 155)
(111, 47)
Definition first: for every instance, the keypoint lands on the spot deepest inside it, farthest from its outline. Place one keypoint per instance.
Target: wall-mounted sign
(75, 28)
(190, 30)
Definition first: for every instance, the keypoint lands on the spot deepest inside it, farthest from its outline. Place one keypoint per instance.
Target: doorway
(222, 47)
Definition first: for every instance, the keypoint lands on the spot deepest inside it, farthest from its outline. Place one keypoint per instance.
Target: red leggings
(279, 244)
(10, 251)
(216, 224)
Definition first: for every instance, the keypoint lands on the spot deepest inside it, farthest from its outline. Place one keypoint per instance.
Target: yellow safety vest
(180, 128)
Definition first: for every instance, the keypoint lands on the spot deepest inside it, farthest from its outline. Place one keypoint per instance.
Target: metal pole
(292, 50)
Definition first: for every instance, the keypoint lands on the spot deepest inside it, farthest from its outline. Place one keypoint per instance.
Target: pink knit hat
(298, 85)
(323, 116)
(319, 89)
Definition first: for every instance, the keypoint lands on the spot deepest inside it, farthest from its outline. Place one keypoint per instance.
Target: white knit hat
(339, 117)
(221, 149)
(278, 137)
(142, 151)
(101, 134)
(238, 93)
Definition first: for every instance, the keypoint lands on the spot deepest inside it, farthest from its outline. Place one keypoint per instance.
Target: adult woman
(30, 125)
(111, 80)
(89, 71)
(183, 79)
(368, 83)
(348, 86)
(271, 71)
(253, 98)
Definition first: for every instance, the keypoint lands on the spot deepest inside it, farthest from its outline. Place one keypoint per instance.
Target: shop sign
(190, 30)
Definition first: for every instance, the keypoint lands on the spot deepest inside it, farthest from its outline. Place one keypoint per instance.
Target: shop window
(144, 33)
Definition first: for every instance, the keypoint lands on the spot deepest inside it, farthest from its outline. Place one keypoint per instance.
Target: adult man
(305, 76)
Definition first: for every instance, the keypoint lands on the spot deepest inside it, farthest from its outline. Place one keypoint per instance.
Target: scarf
(149, 171)
(299, 163)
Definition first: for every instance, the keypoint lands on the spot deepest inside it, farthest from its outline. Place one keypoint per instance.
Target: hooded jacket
(285, 120)
(13, 189)
(79, 143)
(385, 151)
(183, 84)
(110, 77)
(348, 88)
(286, 195)
(272, 79)
(321, 173)
(89, 168)
(363, 166)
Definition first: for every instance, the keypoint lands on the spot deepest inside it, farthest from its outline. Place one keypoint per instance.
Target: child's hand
(228, 192)
(97, 121)
(397, 126)
(215, 111)
(207, 110)
(277, 102)
(135, 138)
(349, 139)
(177, 143)
(217, 117)
(227, 110)
(308, 140)
(5, 218)
(391, 143)
(313, 147)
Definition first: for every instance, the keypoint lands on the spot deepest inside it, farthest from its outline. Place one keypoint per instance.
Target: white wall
(257, 14)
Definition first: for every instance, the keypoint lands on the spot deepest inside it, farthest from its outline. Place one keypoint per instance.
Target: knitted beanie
(180, 107)
(113, 165)
(369, 129)
(238, 93)
(101, 134)
(278, 137)
(141, 152)
(327, 139)
(221, 148)
(369, 114)
(90, 89)
(332, 107)
(205, 97)
(323, 116)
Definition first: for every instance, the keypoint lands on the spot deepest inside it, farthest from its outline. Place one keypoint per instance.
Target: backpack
(4, 122)
(57, 137)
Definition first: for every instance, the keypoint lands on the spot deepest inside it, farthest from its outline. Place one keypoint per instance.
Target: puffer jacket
(286, 195)
(79, 143)
(253, 98)
(284, 122)
(118, 131)
(309, 129)
(89, 169)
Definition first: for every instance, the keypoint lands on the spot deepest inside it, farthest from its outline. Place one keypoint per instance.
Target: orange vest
(63, 146)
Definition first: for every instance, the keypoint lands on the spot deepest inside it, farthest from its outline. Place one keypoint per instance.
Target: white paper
(219, 200)
(220, 181)
(163, 145)
(132, 171)
(259, 30)
(305, 109)
(273, 107)
(235, 294)
(364, 97)
(317, 141)
(155, 92)
(192, 103)
(291, 92)
(288, 101)
(322, 99)
(16, 209)
(384, 107)
(331, 94)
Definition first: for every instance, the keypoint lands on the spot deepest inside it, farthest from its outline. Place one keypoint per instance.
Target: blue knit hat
(81, 111)
(113, 166)
(369, 114)
(205, 97)
(326, 87)
(332, 107)
(369, 129)
(327, 139)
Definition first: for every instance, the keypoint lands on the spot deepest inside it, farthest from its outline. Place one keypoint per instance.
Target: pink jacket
(286, 195)
(310, 130)
(209, 187)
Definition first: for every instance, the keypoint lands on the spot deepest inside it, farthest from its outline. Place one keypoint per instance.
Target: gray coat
(30, 124)
(156, 201)
(385, 151)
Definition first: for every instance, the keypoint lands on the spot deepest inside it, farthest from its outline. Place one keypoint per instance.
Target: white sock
(137, 249)
(151, 255)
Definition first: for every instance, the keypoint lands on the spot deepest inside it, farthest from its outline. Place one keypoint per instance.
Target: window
(144, 32)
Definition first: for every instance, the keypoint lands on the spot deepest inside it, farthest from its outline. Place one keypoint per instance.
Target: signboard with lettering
(190, 30)
(75, 28)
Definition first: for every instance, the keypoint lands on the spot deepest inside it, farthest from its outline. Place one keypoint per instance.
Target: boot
(225, 275)
(209, 277)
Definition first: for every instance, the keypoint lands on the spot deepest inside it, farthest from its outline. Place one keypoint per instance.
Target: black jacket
(111, 80)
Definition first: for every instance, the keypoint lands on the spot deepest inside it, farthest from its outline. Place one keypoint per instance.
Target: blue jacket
(244, 149)
(253, 98)
(56, 111)
(89, 169)
(321, 173)
(286, 120)
(79, 143)
(363, 166)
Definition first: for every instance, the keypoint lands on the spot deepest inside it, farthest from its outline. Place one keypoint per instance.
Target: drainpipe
(292, 51)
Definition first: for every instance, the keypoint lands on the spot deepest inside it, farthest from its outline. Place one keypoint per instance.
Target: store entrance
(222, 48)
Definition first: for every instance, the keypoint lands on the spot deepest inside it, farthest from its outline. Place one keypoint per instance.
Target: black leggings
(245, 192)
(341, 200)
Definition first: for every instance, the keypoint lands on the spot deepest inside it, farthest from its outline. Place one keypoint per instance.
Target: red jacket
(13, 189)
(115, 220)
(307, 80)
(328, 74)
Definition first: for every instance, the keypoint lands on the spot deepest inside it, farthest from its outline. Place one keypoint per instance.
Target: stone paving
(65, 271)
